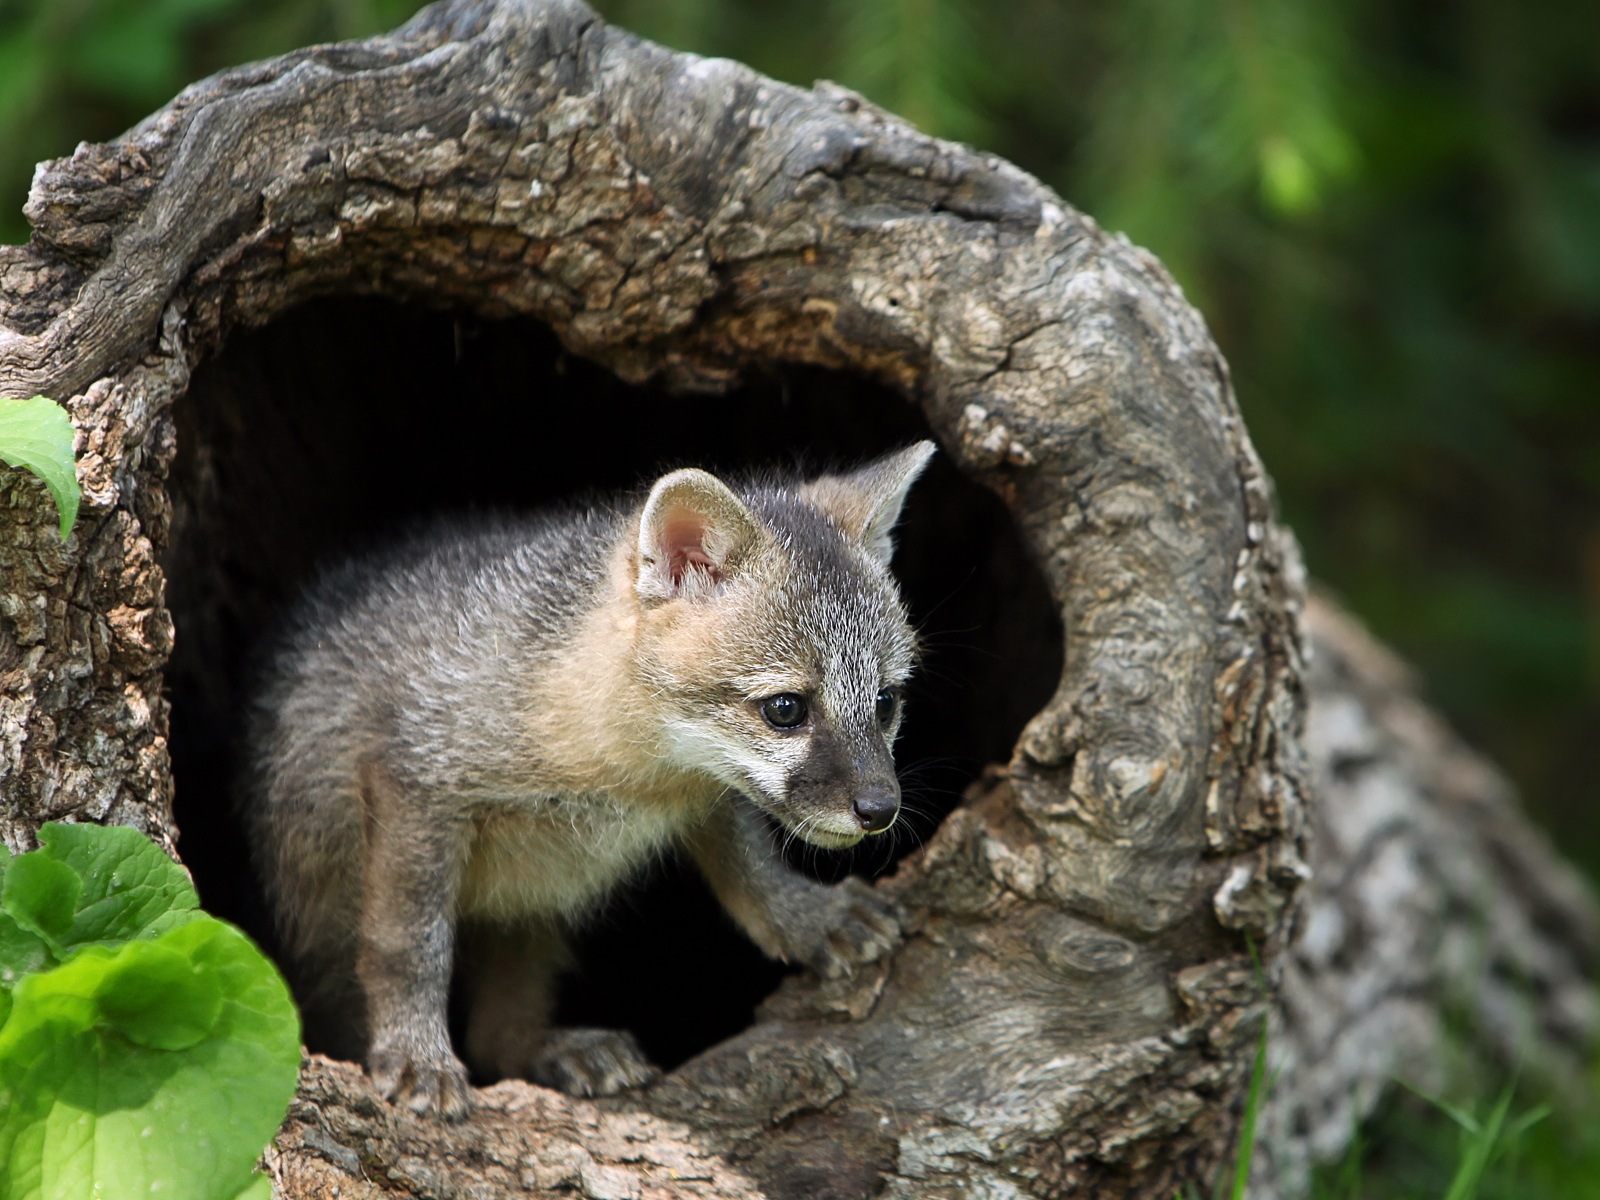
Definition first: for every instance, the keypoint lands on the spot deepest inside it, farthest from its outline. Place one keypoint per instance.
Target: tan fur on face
(693, 672)
(662, 699)
(596, 717)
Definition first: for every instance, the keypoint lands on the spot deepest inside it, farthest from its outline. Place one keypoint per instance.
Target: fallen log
(1075, 1006)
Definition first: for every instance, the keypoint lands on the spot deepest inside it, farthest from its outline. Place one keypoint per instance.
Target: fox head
(774, 641)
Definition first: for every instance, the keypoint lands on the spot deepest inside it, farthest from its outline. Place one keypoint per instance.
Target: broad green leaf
(86, 1110)
(41, 895)
(259, 1188)
(37, 435)
(21, 951)
(130, 888)
(87, 884)
(156, 997)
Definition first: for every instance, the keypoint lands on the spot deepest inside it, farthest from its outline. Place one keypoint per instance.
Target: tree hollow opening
(347, 420)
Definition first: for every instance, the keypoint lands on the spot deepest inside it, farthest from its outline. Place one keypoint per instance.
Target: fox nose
(875, 809)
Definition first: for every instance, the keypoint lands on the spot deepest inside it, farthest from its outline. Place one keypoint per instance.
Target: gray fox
(464, 743)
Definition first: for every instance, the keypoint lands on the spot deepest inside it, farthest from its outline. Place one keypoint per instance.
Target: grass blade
(1252, 1113)
(1478, 1150)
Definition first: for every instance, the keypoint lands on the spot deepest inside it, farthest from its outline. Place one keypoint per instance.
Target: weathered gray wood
(1073, 1011)
(1441, 935)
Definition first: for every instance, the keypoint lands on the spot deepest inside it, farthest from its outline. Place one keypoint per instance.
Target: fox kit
(464, 744)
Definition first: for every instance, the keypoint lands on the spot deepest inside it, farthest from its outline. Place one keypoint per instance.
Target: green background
(1389, 213)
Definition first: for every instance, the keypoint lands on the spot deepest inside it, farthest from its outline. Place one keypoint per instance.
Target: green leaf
(156, 997)
(259, 1188)
(41, 895)
(130, 888)
(36, 434)
(87, 884)
(86, 1109)
(21, 951)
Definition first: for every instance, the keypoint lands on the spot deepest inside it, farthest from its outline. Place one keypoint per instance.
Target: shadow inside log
(346, 420)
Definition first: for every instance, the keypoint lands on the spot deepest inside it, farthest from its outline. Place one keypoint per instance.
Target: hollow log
(1075, 1007)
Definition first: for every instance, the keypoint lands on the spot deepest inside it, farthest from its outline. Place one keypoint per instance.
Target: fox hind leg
(510, 991)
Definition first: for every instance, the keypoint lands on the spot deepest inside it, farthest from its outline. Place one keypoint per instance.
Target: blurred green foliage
(1389, 213)
(85, 70)
(1414, 1148)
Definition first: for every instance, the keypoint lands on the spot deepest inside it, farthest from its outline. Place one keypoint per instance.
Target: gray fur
(493, 724)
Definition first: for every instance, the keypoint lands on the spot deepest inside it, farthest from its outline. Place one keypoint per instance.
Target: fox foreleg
(830, 929)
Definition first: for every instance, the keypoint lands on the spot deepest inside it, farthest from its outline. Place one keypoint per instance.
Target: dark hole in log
(347, 419)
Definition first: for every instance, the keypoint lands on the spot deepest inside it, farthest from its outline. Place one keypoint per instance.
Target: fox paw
(862, 929)
(592, 1062)
(433, 1085)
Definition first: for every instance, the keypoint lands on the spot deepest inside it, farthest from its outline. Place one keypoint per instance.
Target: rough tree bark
(1074, 1008)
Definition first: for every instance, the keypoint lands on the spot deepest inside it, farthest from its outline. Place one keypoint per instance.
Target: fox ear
(866, 503)
(692, 535)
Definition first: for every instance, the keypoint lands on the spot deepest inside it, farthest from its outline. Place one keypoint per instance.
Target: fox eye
(886, 705)
(784, 711)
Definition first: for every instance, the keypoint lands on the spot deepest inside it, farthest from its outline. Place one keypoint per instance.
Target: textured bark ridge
(1074, 1008)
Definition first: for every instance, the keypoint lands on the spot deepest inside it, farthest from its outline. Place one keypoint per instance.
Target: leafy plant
(145, 1047)
(37, 435)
